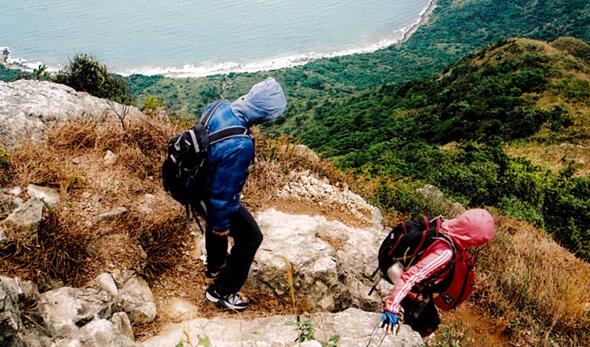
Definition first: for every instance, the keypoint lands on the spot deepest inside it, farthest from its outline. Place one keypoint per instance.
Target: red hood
(471, 228)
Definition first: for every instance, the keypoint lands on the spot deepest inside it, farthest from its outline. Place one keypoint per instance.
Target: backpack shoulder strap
(229, 132)
(205, 119)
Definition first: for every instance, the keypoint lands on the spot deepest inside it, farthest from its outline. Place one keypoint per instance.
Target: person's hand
(222, 233)
(389, 322)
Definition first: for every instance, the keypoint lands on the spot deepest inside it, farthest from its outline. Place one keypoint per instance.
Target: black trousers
(423, 318)
(247, 238)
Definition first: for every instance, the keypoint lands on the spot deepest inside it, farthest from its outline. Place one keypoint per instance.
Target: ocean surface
(200, 37)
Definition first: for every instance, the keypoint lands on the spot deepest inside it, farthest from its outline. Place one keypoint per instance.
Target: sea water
(200, 37)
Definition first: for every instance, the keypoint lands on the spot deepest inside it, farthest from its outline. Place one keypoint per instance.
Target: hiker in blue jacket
(227, 170)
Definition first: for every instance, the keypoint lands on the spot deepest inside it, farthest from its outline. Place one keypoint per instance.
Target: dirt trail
(476, 327)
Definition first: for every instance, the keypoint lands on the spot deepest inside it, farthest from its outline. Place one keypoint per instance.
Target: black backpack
(406, 243)
(183, 174)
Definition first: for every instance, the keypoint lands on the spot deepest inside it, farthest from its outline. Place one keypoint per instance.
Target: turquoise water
(197, 36)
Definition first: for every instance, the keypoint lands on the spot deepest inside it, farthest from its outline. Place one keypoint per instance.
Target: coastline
(424, 18)
(400, 35)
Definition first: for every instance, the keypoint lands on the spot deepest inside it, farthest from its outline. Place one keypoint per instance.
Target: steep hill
(451, 130)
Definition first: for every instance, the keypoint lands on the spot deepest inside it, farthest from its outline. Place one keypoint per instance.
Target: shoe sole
(211, 298)
(223, 303)
(229, 306)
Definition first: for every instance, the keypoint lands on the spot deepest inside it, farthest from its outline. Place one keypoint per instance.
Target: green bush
(86, 74)
(521, 210)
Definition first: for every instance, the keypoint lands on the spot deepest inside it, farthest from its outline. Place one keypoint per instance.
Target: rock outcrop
(100, 315)
(330, 262)
(23, 222)
(351, 328)
(27, 108)
(64, 309)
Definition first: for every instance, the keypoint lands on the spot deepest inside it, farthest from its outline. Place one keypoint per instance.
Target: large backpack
(409, 240)
(183, 174)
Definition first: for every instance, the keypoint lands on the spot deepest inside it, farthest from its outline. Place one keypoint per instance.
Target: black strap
(226, 133)
(205, 119)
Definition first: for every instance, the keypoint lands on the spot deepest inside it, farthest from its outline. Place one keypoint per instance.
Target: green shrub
(86, 74)
(151, 105)
(521, 210)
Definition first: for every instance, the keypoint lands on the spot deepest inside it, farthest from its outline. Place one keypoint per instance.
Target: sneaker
(234, 301)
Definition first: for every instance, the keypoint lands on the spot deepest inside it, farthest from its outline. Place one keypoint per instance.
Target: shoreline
(270, 64)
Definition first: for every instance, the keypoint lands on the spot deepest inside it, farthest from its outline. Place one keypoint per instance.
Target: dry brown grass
(536, 289)
(59, 252)
(74, 244)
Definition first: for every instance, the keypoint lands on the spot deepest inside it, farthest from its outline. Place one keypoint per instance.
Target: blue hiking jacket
(228, 160)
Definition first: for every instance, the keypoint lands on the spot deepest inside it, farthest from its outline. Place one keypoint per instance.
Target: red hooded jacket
(471, 228)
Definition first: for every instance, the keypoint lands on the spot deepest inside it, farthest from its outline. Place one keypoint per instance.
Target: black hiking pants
(423, 318)
(247, 238)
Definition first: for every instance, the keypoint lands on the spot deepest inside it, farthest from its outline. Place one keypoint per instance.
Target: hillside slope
(112, 225)
(451, 130)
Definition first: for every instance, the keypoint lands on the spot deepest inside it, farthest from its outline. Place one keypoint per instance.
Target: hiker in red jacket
(442, 276)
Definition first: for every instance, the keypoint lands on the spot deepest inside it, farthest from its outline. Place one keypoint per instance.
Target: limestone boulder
(10, 321)
(48, 195)
(65, 309)
(97, 333)
(352, 327)
(438, 200)
(28, 108)
(330, 263)
(24, 221)
(136, 299)
(26, 291)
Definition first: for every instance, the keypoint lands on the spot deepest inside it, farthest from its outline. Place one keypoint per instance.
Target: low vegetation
(86, 74)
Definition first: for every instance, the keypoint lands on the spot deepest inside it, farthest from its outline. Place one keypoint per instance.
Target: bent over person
(206, 169)
(428, 263)
(227, 170)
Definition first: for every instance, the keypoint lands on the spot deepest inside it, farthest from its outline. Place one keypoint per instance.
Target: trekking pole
(372, 334)
(382, 339)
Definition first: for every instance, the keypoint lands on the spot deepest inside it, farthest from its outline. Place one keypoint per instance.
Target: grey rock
(10, 321)
(32, 338)
(122, 276)
(24, 220)
(7, 203)
(110, 158)
(353, 326)
(65, 308)
(178, 309)
(112, 214)
(4, 239)
(97, 333)
(26, 291)
(147, 205)
(106, 282)
(331, 263)
(136, 298)
(47, 195)
(16, 191)
(28, 108)
(122, 325)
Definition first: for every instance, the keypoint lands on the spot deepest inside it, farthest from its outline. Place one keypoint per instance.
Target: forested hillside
(451, 130)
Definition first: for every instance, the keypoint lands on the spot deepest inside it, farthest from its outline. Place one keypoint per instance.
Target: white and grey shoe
(234, 301)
